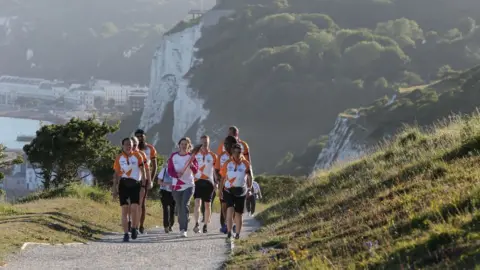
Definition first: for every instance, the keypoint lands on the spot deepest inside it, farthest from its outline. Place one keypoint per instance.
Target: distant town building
(12, 87)
(138, 99)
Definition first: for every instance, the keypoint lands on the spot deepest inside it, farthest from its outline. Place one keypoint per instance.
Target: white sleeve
(160, 175)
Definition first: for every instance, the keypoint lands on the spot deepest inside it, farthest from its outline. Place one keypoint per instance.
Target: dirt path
(154, 250)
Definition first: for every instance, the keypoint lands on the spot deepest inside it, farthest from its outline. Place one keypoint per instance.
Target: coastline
(33, 115)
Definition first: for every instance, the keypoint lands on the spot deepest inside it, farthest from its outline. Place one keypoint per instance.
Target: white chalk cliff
(174, 58)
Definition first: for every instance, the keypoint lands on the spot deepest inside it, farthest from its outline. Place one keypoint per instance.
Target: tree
(61, 151)
(6, 161)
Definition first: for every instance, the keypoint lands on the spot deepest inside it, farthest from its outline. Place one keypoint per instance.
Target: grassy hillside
(73, 214)
(412, 204)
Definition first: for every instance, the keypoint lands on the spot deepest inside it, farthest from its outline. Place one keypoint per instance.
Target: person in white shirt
(204, 182)
(254, 194)
(182, 166)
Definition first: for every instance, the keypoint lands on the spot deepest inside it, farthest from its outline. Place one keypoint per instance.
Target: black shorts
(129, 189)
(203, 190)
(237, 202)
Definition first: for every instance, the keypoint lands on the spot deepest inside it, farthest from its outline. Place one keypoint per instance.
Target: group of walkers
(191, 171)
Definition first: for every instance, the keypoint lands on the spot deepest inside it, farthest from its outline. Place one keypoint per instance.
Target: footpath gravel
(153, 250)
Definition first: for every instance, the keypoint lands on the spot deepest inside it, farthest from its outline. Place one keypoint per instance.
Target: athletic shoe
(129, 225)
(234, 229)
(126, 237)
(237, 236)
(196, 229)
(142, 230)
(184, 234)
(223, 229)
(205, 228)
(134, 233)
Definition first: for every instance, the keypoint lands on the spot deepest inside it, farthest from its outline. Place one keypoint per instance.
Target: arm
(194, 165)
(116, 182)
(153, 159)
(171, 168)
(246, 151)
(116, 176)
(154, 167)
(249, 177)
(222, 174)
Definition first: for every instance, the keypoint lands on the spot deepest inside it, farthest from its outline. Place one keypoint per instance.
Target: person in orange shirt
(151, 154)
(233, 131)
(204, 182)
(222, 158)
(236, 181)
(129, 166)
(135, 148)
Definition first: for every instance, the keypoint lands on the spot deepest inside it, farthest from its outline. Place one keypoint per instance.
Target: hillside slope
(366, 126)
(412, 204)
(293, 66)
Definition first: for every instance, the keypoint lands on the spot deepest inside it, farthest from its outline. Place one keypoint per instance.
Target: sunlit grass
(413, 203)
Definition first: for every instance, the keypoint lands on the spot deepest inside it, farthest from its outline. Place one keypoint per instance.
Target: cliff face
(353, 135)
(173, 109)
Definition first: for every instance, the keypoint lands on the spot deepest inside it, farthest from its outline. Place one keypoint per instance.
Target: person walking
(129, 166)
(236, 181)
(204, 183)
(166, 198)
(182, 166)
(254, 194)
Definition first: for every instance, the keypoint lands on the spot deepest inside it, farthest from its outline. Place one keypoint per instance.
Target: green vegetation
(301, 164)
(71, 214)
(6, 163)
(299, 63)
(414, 203)
(60, 151)
(425, 104)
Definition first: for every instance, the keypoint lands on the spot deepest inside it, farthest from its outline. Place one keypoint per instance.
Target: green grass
(413, 204)
(72, 214)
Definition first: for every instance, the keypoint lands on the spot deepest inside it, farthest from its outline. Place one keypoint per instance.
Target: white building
(12, 87)
(138, 99)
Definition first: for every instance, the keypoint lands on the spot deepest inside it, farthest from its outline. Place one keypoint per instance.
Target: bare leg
(208, 212)
(229, 222)
(143, 202)
(238, 222)
(125, 209)
(196, 210)
(135, 215)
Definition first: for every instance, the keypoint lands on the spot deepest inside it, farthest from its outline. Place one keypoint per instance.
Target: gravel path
(154, 250)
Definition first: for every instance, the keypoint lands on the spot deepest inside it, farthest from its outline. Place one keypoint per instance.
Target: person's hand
(115, 194)
(196, 149)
